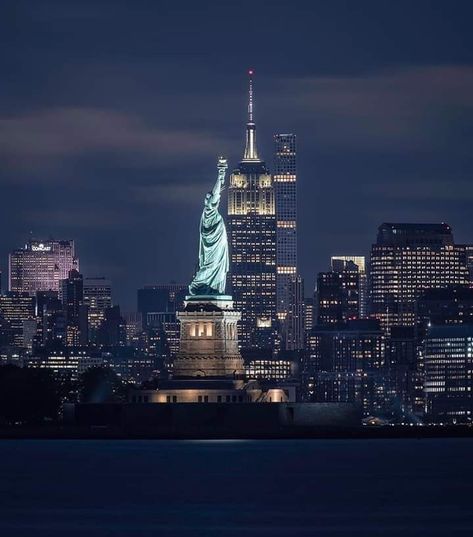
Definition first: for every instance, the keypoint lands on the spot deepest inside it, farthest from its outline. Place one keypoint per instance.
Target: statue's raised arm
(220, 182)
(213, 246)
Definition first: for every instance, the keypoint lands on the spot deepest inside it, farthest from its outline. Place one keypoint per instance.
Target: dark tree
(27, 395)
(101, 385)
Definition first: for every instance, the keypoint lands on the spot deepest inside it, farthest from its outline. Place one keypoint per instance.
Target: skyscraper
(344, 363)
(331, 298)
(15, 310)
(157, 306)
(97, 298)
(353, 270)
(285, 192)
(41, 265)
(294, 333)
(72, 297)
(448, 382)
(406, 260)
(252, 230)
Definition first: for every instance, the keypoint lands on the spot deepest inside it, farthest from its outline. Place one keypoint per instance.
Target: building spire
(250, 96)
(251, 153)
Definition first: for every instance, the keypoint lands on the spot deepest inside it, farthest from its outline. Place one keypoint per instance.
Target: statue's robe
(213, 250)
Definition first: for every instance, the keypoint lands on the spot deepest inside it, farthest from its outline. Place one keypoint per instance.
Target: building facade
(97, 298)
(406, 260)
(285, 192)
(345, 363)
(153, 300)
(331, 298)
(252, 232)
(452, 305)
(448, 376)
(41, 265)
(158, 306)
(293, 329)
(16, 309)
(72, 297)
(353, 270)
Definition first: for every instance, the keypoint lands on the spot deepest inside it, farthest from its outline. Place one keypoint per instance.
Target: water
(228, 488)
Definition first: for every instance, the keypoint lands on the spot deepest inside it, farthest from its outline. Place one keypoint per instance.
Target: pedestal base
(209, 341)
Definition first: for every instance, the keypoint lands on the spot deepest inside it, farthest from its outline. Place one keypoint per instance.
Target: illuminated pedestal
(208, 367)
(209, 340)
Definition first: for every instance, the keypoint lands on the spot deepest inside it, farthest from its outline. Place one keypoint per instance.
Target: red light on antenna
(250, 71)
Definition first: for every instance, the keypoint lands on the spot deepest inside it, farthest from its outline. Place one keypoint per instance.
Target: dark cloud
(402, 110)
(48, 137)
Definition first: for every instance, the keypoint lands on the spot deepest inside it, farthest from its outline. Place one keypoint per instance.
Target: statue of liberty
(213, 247)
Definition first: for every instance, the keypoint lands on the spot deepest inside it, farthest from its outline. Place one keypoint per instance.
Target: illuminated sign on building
(40, 248)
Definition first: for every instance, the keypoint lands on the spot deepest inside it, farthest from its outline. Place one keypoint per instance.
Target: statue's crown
(222, 163)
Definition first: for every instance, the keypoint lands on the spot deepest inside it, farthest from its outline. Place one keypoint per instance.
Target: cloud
(410, 109)
(418, 109)
(413, 189)
(174, 193)
(72, 218)
(47, 138)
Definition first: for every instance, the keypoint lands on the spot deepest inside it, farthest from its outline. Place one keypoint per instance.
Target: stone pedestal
(209, 341)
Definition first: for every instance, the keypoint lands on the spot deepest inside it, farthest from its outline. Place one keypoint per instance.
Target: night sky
(112, 115)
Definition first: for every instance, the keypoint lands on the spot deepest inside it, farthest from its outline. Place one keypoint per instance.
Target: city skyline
(120, 132)
(236, 267)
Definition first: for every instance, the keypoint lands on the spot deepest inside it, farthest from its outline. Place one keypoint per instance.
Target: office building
(72, 298)
(341, 293)
(469, 260)
(134, 325)
(345, 363)
(130, 364)
(112, 331)
(451, 305)
(41, 265)
(285, 194)
(403, 374)
(252, 232)
(293, 332)
(309, 314)
(160, 298)
(448, 373)
(53, 321)
(265, 366)
(16, 309)
(353, 270)
(331, 298)
(157, 306)
(406, 260)
(66, 363)
(97, 298)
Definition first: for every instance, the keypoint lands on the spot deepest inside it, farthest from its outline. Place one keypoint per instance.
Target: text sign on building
(40, 248)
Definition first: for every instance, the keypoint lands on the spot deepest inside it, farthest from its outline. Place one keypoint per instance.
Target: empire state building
(252, 229)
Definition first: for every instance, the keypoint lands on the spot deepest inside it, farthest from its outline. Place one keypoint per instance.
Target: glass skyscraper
(285, 190)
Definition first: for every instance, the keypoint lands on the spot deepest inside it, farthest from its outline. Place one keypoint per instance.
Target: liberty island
(208, 367)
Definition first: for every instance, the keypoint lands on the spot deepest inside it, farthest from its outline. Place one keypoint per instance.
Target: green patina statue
(213, 247)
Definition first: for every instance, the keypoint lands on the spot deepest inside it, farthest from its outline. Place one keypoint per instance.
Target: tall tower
(252, 229)
(285, 189)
